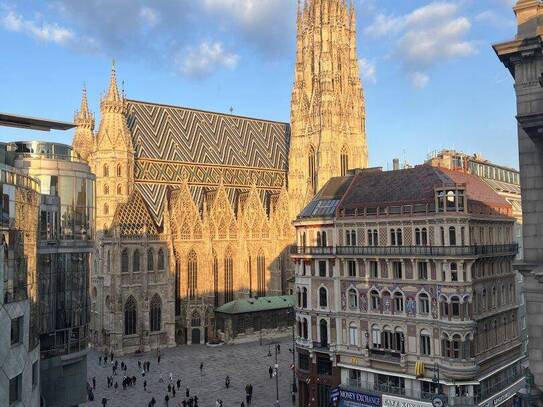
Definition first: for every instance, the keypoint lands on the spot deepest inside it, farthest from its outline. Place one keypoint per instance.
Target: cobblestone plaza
(244, 363)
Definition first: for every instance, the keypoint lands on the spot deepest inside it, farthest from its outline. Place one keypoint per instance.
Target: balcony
(385, 356)
(403, 251)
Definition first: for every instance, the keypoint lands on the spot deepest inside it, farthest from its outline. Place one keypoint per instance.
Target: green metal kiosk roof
(257, 304)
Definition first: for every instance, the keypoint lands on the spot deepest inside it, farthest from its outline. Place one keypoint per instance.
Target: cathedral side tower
(113, 159)
(327, 108)
(83, 141)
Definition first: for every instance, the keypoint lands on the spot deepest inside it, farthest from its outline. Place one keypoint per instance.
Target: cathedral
(194, 208)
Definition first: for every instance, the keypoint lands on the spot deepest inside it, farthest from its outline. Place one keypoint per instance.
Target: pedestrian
(145, 385)
(278, 348)
(158, 359)
(111, 356)
(160, 379)
(166, 399)
(116, 386)
(184, 403)
(153, 401)
(105, 360)
(173, 391)
(178, 384)
(201, 368)
(227, 381)
(293, 395)
(242, 404)
(169, 387)
(270, 371)
(139, 364)
(187, 392)
(217, 403)
(195, 401)
(248, 398)
(99, 360)
(104, 402)
(171, 377)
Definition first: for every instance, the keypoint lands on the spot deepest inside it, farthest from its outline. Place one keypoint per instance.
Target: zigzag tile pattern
(172, 141)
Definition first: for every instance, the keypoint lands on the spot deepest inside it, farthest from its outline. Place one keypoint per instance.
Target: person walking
(169, 387)
(145, 385)
(173, 391)
(187, 392)
(166, 399)
(227, 382)
(104, 402)
(116, 386)
(270, 371)
(178, 384)
(278, 348)
(201, 368)
(248, 398)
(242, 404)
(99, 360)
(171, 377)
(94, 382)
(153, 401)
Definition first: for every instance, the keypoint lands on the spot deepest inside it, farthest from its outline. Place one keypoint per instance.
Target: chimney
(395, 164)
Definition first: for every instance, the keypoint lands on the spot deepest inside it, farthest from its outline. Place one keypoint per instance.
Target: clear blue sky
(430, 75)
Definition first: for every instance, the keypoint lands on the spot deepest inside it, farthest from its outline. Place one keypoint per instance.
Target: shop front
(505, 398)
(348, 398)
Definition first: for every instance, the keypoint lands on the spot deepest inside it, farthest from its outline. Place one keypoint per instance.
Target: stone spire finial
(84, 118)
(113, 91)
(113, 101)
(83, 141)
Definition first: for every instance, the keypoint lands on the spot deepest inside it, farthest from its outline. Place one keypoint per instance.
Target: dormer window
(450, 200)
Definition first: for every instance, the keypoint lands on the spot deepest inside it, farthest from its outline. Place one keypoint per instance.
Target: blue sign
(349, 398)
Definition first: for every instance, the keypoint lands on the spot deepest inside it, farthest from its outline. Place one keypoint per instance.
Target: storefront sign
(504, 395)
(391, 401)
(349, 398)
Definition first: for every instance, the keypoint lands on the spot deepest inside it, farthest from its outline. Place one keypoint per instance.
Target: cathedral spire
(113, 91)
(83, 141)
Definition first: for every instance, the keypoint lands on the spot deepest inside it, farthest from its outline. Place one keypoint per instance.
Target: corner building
(405, 290)
(194, 208)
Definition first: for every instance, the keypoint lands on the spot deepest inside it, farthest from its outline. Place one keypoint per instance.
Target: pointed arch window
(344, 161)
(160, 260)
(261, 274)
(136, 261)
(195, 319)
(323, 297)
(119, 189)
(150, 260)
(228, 277)
(105, 171)
(192, 274)
(106, 209)
(106, 189)
(312, 169)
(215, 279)
(155, 313)
(124, 261)
(130, 316)
(119, 170)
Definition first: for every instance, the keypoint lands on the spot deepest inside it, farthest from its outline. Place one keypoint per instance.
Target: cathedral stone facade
(194, 208)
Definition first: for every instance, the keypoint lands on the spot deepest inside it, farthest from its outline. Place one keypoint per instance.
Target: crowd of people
(173, 394)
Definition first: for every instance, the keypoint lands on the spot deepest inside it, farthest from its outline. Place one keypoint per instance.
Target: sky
(431, 78)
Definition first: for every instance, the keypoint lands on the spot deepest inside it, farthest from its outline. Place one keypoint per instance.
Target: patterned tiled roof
(167, 138)
(133, 219)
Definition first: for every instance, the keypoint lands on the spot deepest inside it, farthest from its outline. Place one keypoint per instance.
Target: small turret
(83, 141)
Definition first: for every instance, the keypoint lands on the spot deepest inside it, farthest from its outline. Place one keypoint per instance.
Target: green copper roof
(257, 304)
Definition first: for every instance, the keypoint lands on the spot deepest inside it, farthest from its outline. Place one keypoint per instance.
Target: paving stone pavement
(244, 363)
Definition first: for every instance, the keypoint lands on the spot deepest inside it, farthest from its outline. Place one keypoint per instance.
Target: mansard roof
(133, 219)
(374, 187)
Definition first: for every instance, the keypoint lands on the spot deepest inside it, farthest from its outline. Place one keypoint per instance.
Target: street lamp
(276, 379)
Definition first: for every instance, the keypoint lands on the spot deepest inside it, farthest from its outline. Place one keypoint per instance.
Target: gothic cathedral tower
(113, 158)
(327, 108)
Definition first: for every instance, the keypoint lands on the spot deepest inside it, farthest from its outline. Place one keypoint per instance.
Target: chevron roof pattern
(172, 133)
(170, 140)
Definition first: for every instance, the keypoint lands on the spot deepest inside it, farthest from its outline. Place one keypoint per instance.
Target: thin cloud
(201, 61)
(41, 31)
(432, 34)
(368, 70)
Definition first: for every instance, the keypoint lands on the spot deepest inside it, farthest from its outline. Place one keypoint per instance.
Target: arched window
(215, 267)
(160, 260)
(323, 332)
(353, 299)
(106, 209)
(424, 304)
(119, 170)
(494, 297)
(228, 277)
(304, 297)
(323, 297)
(452, 236)
(124, 261)
(150, 260)
(261, 274)
(136, 260)
(344, 161)
(312, 169)
(398, 302)
(106, 170)
(119, 189)
(319, 239)
(106, 189)
(195, 319)
(425, 343)
(108, 263)
(484, 302)
(456, 340)
(130, 316)
(192, 272)
(155, 311)
(305, 329)
(353, 334)
(324, 240)
(418, 237)
(299, 326)
(375, 300)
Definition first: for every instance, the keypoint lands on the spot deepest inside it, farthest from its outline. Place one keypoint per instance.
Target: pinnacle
(113, 91)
